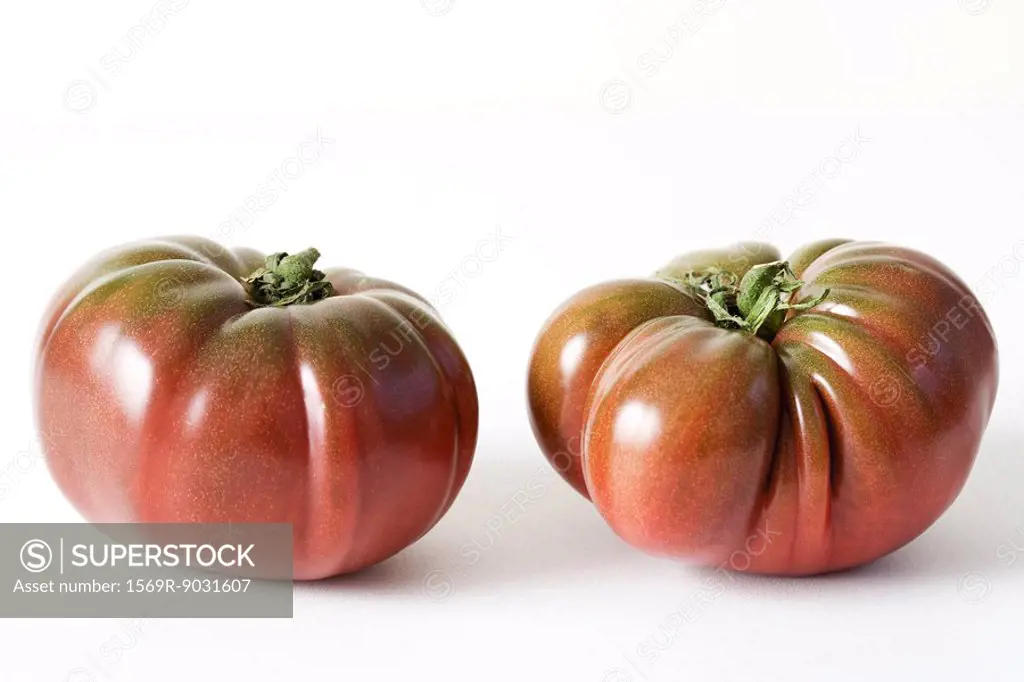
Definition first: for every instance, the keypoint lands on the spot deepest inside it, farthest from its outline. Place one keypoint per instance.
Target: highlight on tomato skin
(181, 381)
(781, 416)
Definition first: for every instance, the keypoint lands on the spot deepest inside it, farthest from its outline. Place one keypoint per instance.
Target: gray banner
(145, 570)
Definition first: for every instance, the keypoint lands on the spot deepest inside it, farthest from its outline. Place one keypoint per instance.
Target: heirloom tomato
(785, 417)
(179, 381)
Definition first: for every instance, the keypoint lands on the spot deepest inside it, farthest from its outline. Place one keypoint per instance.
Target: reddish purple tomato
(786, 417)
(178, 381)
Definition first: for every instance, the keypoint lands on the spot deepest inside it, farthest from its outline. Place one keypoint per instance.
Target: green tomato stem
(288, 280)
(758, 303)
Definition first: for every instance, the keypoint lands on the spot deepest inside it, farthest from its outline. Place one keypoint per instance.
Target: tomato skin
(164, 396)
(584, 330)
(576, 340)
(840, 440)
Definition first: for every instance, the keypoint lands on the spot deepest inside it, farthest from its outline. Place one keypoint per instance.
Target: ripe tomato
(178, 381)
(726, 408)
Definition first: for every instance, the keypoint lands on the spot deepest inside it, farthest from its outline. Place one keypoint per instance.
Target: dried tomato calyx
(757, 303)
(288, 280)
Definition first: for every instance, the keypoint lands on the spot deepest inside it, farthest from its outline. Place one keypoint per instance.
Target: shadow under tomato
(988, 511)
(988, 515)
(975, 551)
(515, 521)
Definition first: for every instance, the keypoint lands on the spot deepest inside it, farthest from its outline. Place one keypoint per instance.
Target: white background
(556, 122)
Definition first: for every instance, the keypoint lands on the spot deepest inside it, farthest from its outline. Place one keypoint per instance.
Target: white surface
(497, 114)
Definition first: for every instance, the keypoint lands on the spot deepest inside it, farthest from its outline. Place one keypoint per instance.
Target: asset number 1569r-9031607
(203, 585)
